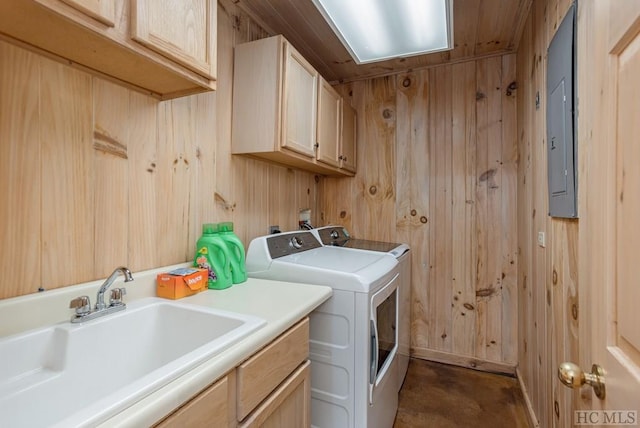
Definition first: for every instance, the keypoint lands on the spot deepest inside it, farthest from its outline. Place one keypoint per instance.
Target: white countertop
(281, 304)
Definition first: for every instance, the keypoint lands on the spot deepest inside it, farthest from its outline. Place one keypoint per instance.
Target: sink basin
(81, 374)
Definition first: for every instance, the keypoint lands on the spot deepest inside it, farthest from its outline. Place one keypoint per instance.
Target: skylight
(376, 30)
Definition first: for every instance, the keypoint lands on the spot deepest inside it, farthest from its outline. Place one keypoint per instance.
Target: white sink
(81, 374)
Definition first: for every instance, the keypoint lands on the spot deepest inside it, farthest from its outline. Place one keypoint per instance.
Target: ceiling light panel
(375, 30)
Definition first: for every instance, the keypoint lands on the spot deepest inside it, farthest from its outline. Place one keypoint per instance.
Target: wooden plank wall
(437, 169)
(547, 276)
(94, 175)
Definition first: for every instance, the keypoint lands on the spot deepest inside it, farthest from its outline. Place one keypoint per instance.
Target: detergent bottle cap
(227, 226)
(209, 228)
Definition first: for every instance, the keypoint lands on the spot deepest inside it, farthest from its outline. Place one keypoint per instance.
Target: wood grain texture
(20, 171)
(264, 371)
(440, 279)
(375, 181)
(212, 407)
(183, 31)
(140, 195)
(329, 124)
(547, 277)
(66, 135)
(144, 200)
(203, 146)
(428, 139)
(509, 273)
(103, 11)
(175, 175)
(464, 184)
(75, 37)
(480, 27)
(288, 406)
(348, 137)
(336, 195)
(593, 162)
(526, 100)
(111, 178)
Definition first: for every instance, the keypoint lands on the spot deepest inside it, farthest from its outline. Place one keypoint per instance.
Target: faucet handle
(81, 304)
(116, 296)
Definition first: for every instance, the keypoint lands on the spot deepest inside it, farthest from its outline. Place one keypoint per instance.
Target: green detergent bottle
(213, 254)
(236, 249)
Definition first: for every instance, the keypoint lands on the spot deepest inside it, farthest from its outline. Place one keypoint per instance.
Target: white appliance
(340, 237)
(353, 335)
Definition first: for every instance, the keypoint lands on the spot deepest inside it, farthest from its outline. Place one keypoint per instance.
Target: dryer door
(383, 332)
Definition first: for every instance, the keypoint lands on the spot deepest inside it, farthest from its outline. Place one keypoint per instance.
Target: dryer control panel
(337, 235)
(284, 244)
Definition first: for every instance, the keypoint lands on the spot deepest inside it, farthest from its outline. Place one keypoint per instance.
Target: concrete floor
(443, 396)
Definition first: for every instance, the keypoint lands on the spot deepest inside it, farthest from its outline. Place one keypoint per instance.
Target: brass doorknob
(572, 376)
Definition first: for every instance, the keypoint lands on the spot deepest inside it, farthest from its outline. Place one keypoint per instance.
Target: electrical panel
(561, 120)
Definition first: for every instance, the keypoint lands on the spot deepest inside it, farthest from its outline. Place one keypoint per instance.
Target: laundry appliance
(340, 237)
(353, 335)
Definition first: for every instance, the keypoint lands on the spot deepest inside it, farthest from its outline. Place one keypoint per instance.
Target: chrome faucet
(82, 304)
(107, 283)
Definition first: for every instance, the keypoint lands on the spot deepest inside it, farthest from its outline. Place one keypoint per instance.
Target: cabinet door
(184, 31)
(213, 407)
(348, 150)
(329, 123)
(102, 10)
(300, 104)
(263, 372)
(288, 406)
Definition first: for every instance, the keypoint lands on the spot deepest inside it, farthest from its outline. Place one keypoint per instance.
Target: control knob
(296, 242)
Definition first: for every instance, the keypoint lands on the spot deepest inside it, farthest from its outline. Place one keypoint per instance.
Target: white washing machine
(340, 237)
(353, 335)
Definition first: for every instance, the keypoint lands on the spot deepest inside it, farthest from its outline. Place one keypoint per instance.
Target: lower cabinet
(214, 407)
(272, 388)
(287, 406)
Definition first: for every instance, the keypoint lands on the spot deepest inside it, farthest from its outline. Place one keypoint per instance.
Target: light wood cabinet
(272, 388)
(300, 87)
(215, 407)
(263, 372)
(164, 48)
(103, 11)
(287, 406)
(348, 140)
(282, 107)
(329, 124)
(182, 30)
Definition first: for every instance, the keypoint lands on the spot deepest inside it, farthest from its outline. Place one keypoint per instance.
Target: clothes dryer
(353, 335)
(340, 237)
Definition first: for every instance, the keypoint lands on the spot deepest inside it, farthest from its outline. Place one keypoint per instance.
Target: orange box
(181, 283)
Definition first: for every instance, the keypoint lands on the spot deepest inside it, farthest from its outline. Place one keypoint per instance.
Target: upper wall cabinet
(329, 124)
(182, 30)
(348, 140)
(164, 48)
(299, 89)
(283, 110)
(103, 11)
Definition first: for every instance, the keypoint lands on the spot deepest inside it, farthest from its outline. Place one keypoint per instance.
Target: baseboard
(533, 420)
(464, 361)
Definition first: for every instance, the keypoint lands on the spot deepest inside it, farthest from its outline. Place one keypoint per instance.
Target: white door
(609, 78)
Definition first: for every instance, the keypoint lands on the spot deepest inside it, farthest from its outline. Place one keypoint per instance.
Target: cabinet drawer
(211, 407)
(263, 372)
(288, 406)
